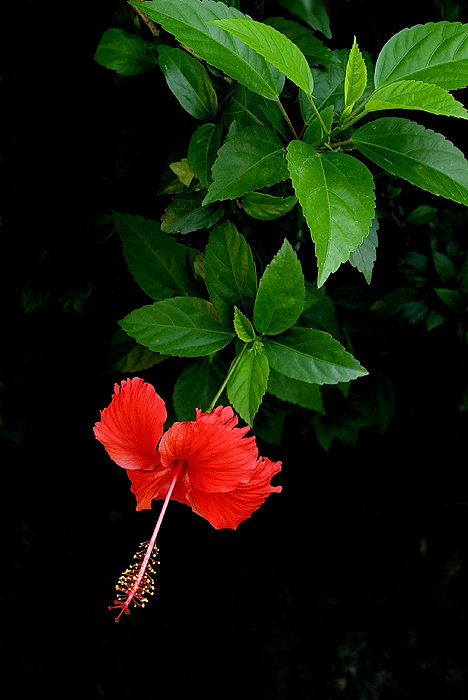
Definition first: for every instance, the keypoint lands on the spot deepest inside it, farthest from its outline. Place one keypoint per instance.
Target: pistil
(137, 582)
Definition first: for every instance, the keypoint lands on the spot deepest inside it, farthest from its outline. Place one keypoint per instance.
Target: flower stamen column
(136, 582)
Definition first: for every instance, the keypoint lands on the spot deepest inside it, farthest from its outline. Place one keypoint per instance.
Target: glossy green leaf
(419, 155)
(183, 326)
(336, 193)
(432, 53)
(311, 356)
(252, 158)
(188, 80)
(230, 273)
(188, 21)
(355, 77)
(160, 266)
(202, 151)
(186, 214)
(127, 54)
(281, 291)
(275, 47)
(313, 12)
(243, 327)
(248, 382)
(414, 94)
(294, 391)
(266, 206)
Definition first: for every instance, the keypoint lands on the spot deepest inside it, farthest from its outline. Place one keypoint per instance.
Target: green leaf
(189, 82)
(127, 54)
(252, 158)
(275, 47)
(315, 133)
(311, 356)
(292, 390)
(413, 94)
(182, 169)
(313, 12)
(432, 53)
(183, 326)
(196, 386)
(266, 206)
(188, 21)
(329, 85)
(202, 151)
(365, 255)
(187, 214)
(161, 267)
(230, 273)
(452, 299)
(281, 291)
(355, 77)
(336, 193)
(248, 382)
(243, 327)
(313, 49)
(419, 155)
(249, 109)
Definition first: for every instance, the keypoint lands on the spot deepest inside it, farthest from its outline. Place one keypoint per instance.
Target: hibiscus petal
(229, 509)
(154, 484)
(219, 457)
(132, 425)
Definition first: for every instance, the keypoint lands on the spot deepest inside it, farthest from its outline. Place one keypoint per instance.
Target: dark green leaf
(336, 193)
(188, 21)
(313, 12)
(266, 206)
(313, 49)
(297, 392)
(248, 382)
(364, 257)
(202, 151)
(452, 299)
(189, 82)
(162, 267)
(252, 158)
(419, 155)
(311, 356)
(230, 272)
(183, 326)
(280, 296)
(127, 54)
(186, 214)
(249, 109)
(196, 386)
(433, 53)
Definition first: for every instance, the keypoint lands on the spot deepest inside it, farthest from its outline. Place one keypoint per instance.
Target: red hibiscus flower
(208, 463)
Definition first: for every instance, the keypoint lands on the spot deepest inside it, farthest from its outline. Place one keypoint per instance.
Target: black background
(350, 584)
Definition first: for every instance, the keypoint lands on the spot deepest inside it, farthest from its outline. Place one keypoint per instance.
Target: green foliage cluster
(275, 138)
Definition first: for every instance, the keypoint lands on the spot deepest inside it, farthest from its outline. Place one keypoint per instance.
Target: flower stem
(228, 376)
(136, 586)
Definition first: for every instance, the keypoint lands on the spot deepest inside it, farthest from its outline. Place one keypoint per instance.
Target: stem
(290, 124)
(317, 114)
(228, 376)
